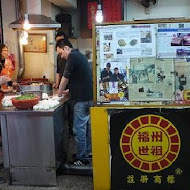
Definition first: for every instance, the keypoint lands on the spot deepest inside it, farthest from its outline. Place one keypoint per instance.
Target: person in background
(117, 77)
(3, 80)
(6, 69)
(106, 73)
(79, 77)
(61, 62)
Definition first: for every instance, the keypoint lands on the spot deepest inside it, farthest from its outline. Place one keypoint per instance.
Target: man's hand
(4, 79)
(107, 77)
(55, 85)
(66, 93)
(15, 84)
(9, 89)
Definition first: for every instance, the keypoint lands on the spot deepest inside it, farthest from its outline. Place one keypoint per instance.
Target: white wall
(163, 9)
(46, 8)
(49, 9)
(54, 11)
(38, 65)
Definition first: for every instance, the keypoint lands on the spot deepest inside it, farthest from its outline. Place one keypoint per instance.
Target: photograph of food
(146, 37)
(108, 56)
(107, 47)
(121, 42)
(133, 42)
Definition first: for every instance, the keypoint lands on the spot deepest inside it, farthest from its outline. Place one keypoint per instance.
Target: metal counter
(32, 142)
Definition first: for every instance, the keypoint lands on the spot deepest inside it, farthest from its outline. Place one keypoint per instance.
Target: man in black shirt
(117, 76)
(61, 62)
(106, 73)
(79, 77)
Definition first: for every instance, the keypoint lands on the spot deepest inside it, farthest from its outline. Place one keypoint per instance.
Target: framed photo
(36, 43)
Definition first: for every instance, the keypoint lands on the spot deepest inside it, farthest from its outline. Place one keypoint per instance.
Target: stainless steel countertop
(13, 110)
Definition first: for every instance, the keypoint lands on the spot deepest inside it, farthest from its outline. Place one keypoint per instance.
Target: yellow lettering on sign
(158, 179)
(171, 179)
(144, 178)
(92, 8)
(130, 179)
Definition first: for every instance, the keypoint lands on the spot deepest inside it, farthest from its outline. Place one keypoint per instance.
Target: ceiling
(68, 4)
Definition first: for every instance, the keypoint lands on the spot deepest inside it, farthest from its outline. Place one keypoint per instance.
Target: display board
(142, 63)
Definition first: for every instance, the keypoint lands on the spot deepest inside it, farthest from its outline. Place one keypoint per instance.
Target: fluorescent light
(99, 15)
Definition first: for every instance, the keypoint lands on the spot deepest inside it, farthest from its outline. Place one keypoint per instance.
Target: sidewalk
(64, 182)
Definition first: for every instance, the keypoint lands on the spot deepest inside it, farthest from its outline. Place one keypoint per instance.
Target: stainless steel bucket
(43, 87)
(46, 87)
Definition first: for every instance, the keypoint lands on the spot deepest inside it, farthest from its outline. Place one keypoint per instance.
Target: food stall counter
(32, 142)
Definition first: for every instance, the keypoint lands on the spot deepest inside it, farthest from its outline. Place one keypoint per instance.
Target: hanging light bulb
(23, 40)
(99, 15)
(25, 34)
(24, 37)
(26, 24)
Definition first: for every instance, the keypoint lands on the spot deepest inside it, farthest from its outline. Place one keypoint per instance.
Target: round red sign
(150, 143)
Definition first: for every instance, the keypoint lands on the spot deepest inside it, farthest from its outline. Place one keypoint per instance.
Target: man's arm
(57, 80)
(62, 86)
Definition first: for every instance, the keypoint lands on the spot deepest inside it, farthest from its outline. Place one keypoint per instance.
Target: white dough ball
(46, 107)
(35, 107)
(40, 107)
